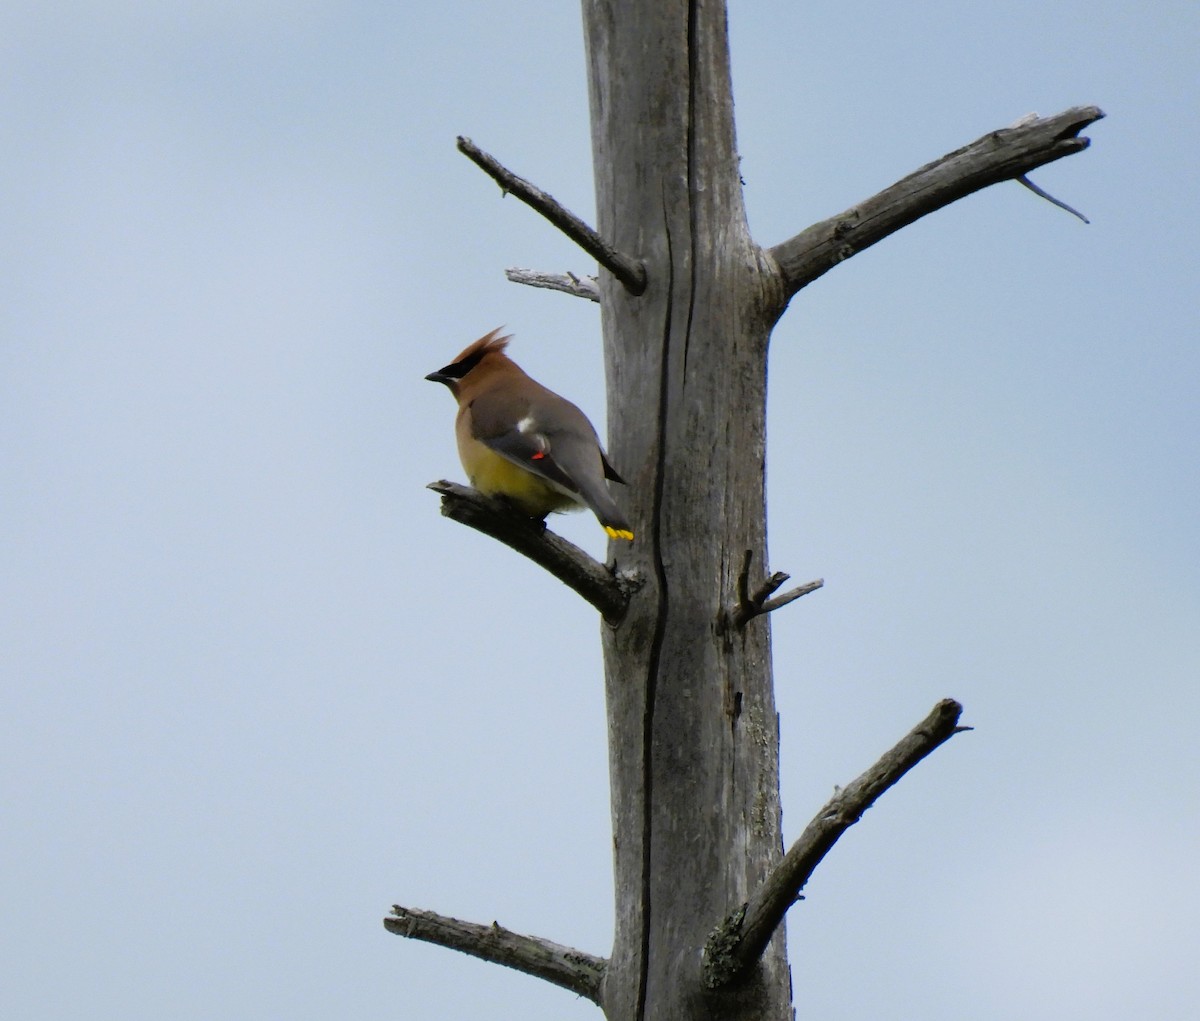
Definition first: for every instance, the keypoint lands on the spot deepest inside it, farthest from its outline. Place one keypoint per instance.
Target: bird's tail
(597, 497)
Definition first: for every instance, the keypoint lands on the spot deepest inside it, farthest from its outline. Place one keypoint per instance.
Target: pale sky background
(256, 689)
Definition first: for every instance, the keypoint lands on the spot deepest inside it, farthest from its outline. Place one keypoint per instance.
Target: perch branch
(568, 283)
(998, 156)
(738, 942)
(571, 969)
(631, 272)
(750, 605)
(566, 561)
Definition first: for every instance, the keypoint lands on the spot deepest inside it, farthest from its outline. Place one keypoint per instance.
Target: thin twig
(571, 969)
(1041, 192)
(568, 283)
(631, 272)
(738, 942)
(998, 156)
(563, 559)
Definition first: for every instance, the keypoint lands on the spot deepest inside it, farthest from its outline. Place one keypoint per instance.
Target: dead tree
(688, 300)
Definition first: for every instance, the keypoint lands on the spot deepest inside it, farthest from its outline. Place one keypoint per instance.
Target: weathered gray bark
(693, 737)
(693, 731)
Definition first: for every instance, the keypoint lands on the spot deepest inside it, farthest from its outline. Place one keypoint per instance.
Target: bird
(524, 443)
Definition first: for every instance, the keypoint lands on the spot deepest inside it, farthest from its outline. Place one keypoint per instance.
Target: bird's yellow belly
(497, 476)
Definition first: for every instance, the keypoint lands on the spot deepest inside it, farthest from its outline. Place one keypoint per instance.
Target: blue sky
(255, 689)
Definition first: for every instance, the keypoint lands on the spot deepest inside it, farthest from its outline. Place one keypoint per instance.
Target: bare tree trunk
(693, 731)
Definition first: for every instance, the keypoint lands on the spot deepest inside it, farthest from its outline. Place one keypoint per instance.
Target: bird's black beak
(440, 377)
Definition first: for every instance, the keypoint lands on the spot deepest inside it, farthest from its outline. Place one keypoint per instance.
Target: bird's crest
(490, 343)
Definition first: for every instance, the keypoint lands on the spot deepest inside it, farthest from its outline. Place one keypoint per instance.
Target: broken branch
(998, 156)
(738, 942)
(568, 283)
(631, 272)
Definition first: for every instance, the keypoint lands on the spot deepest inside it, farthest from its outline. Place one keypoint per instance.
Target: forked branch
(571, 969)
(566, 561)
(1007, 154)
(738, 942)
(631, 272)
(752, 604)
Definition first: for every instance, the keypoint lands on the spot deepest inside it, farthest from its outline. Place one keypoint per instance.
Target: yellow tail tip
(618, 533)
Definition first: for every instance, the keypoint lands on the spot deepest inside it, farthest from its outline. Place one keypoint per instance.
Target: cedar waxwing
(518, 440)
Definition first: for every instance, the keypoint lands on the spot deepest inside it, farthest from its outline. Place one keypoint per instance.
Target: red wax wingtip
(537, 456)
